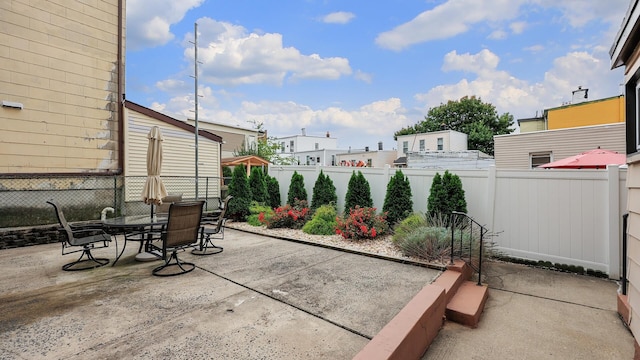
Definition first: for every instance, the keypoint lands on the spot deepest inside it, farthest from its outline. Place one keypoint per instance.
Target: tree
(446, 195)
(469, 115)
(273, 190)
(258, 186)
(241, 192)
(296, 189)
(397, 202)
(358, 192)
(324, 192)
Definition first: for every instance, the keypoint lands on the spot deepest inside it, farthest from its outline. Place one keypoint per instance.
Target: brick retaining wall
(28, 236)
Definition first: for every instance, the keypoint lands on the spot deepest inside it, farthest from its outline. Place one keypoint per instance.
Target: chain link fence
(82, 198)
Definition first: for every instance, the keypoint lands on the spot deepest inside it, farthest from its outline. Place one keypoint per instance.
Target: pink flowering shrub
(361, 223)
(293, 217)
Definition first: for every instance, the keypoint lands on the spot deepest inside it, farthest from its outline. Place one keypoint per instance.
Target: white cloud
(518, 27)
(498, 35)
(149, 21)
(232, 56)
(534, 48)
(580, 12)
(339, 17)
(447, 20)
(519, 97)
(455, 17)
(483, 61)
(282, 118)
(362, 76)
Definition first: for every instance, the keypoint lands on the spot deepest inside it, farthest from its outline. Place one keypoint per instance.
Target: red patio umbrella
(592, 159)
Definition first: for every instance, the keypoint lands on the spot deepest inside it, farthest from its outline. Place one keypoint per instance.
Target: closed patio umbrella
(154, 189)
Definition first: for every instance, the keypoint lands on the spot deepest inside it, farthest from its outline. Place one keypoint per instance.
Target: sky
(362, 70)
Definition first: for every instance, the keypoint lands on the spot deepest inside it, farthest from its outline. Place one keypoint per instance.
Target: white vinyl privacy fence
(569, 217)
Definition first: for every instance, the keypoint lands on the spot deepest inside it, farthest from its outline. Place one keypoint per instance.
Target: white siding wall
(564, 216)
(458, 141)
(178, 155)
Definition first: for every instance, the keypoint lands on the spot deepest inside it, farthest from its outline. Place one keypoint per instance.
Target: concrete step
(467, 304)
(624, 310)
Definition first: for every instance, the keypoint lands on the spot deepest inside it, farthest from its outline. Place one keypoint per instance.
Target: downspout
(120, 100)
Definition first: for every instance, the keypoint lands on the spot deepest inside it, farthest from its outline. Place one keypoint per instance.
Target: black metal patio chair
(182, 231)
(82, 239)
(216, 232)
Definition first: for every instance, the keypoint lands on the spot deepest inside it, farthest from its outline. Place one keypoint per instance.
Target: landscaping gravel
(382, 245)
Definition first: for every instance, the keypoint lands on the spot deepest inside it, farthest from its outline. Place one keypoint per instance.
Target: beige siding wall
(58, 59)
(178, 155)
(633, 241)
(233, 137)
(513, 151)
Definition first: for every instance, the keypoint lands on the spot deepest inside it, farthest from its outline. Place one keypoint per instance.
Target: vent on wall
(12, 104)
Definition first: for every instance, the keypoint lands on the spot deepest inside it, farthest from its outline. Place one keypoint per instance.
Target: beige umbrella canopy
(154, 189)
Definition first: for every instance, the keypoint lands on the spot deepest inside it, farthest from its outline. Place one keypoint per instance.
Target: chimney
(304, 132)
(380, 145)
(328, 135)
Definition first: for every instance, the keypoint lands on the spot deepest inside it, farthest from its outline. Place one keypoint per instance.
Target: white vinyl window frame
(540, 158)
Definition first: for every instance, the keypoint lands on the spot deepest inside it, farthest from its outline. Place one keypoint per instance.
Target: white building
(376, 159)
(309, 150)
(445, 140)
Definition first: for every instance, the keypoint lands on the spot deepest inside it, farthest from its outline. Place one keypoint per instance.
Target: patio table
(130, 224)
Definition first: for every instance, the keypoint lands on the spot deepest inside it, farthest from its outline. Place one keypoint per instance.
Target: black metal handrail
(462, 220)
(624, 253)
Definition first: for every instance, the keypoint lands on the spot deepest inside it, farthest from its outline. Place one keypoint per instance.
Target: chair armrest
(87, 231)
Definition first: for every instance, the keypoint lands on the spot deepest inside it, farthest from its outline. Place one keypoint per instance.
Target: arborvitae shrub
(397, 202)
(258, 186)
(324, 192)
(241, 192)
(296, 189)
(446, 195)
(273, 191)
(358, 193)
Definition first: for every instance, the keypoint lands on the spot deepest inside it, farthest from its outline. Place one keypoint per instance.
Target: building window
(291, 146)
(538, 159)
(422, 145)
(440, 143)
(282, 146)
(318, 160)
(317, 146)
(405, 147)
(333, 160)
(369, 162)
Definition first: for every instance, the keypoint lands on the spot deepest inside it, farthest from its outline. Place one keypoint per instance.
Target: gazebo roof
(247, 160)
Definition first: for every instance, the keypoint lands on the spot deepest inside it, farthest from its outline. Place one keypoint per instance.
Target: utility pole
(195, 76)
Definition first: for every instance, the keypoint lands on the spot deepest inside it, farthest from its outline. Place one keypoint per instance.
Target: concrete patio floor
(261, 298)
(265, 298)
